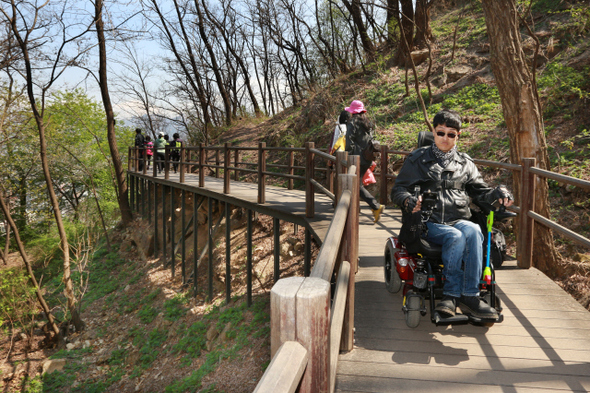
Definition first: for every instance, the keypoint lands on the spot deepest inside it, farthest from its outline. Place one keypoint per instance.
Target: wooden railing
(202, 158)
(306, 332)
(527, 171)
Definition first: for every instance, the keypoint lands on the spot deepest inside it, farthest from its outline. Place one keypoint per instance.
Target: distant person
(339, 137)
(149, 150)
(175, 151)
(140, 144)
(360, 142)
(160, 145)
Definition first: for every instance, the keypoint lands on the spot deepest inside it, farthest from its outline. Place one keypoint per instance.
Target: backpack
(339, 139)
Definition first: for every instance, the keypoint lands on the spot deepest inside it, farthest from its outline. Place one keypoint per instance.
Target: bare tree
(50, 318)
(32, 26)
(522, 114)
(122, 197)
(354, 7)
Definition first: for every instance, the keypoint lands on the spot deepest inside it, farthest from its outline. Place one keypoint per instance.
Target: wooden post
(172, 230)
(300, 311)
(182, 233)
(217, 162)
(291, 169)
(195, 243)
(307, 253)
(384, 162)
(277, 249)
(227, 248)
(349, 252)
(261, 170)
(313, 330)
(282, 312)
(163, 225)
(149, 201)
(226, 161)
(210, 248)
(201, 165)
(236, 165)
(167, 162)
(341, 156)
(524, 251)
(129, 158)
(249, 258)
(309, 173)
(155, 163)
(182, 164)
(156, 244)
(144, 155)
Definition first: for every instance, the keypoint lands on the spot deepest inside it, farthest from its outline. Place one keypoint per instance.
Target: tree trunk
(354, 8)
(51, 320)
(214, 65)
(122, 196)
(39, 121)
(422, 19)
(407, 29)
(522, 115)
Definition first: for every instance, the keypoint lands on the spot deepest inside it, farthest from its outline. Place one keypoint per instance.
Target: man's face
(444, 142)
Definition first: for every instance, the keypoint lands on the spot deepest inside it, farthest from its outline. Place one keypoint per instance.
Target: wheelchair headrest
(425, 138)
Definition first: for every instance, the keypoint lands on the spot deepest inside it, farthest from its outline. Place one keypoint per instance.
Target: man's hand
(413, 204)
(503, 196)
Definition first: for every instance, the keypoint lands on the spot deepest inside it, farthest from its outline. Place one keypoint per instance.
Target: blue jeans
(462, 255)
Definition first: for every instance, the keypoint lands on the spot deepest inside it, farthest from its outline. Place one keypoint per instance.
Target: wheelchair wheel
(413, 314)
(393, 282)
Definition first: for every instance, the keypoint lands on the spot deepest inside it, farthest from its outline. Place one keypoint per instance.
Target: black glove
(501, 192)
(410, 203)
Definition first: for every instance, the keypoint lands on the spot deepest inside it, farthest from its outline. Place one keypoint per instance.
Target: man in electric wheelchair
(450, 178)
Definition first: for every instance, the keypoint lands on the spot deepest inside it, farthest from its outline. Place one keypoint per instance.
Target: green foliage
(192, 341)
(147, 314)
(173, 308)
(560, 84)
(149, 347)
(18, 304)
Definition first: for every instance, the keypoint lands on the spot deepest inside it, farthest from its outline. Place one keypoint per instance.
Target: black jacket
(453, 184)
(359, 135)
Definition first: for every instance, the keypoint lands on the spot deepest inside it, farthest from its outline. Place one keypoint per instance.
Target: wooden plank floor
(542, 345)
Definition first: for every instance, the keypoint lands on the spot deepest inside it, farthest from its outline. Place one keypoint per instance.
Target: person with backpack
(339, 138)
(149, 146)
(360, 142)
(140, 143)
(175, 151)
(160, 145)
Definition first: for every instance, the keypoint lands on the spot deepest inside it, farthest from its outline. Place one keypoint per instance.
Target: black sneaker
(447, 306)
(473, 305)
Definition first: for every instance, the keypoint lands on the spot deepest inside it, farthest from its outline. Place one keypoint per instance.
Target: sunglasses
(450, 134)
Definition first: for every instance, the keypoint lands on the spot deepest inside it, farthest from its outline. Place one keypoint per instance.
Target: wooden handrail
(285, 370)
(324, 264)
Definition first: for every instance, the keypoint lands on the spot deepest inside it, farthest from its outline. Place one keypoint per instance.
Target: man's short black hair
(448, 118)
(138, 130)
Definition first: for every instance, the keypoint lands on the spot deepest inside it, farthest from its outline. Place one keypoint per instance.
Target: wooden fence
(309, 327)
(195, 159)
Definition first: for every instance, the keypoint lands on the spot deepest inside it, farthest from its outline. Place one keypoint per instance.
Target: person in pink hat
(359, 137)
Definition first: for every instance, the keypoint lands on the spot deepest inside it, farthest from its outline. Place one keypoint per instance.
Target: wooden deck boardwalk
(542, 345)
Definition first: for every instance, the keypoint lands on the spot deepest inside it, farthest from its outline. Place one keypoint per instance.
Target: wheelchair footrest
(455, 320)
(477, 320)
